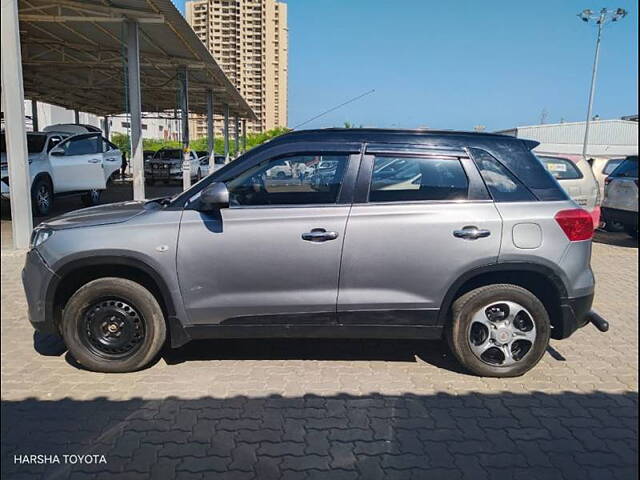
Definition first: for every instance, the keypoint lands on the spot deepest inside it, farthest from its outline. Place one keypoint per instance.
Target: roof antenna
(335, 108)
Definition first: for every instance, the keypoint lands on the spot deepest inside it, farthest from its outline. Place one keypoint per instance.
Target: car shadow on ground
(432, 352)
(617, 239)
(335, 436)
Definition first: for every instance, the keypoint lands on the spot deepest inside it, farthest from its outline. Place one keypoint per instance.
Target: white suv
(63, 164)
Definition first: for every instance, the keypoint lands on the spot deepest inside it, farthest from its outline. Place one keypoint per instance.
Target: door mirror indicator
(214, 196)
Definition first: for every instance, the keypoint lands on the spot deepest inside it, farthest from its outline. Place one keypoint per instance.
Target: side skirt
(305, 331)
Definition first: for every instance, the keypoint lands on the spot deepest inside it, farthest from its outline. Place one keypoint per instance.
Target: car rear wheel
(42, 197)
(113, 325)
(499, 330)
(92, 197)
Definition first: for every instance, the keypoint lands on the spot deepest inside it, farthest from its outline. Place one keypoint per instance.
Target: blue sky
(456, 64)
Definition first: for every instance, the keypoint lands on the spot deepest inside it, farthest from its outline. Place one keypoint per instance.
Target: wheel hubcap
(112, 328)
(43, 197)
(501, 333)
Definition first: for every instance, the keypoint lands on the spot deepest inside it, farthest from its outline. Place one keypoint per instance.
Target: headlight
(39, 236)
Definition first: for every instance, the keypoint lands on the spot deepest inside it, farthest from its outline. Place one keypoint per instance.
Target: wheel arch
(72, 275)
(46, 176)
(541, 280)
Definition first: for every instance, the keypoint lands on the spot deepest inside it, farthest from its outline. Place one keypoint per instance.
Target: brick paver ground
(331, 409)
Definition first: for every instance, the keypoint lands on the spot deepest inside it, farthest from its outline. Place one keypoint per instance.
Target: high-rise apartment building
(249, 39)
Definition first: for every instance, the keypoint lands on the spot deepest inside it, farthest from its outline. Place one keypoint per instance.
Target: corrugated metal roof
(73, 54)
(601, 132)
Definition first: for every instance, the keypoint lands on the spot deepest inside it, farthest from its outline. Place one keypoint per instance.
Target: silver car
(475, 243)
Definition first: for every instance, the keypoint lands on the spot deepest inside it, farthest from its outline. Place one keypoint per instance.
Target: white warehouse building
(607, 138)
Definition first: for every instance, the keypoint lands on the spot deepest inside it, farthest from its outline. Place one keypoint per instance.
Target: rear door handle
(94, 160)
(471, 233)
(319, 235)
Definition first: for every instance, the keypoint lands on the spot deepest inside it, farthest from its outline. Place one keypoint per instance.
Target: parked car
(72, 128)
(496, 259)
(166, 165)
(204, 163)
(620, 202)
(578, 180)
(602, 168)
(64, 164)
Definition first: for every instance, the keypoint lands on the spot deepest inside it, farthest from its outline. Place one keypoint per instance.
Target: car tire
(199, 175)
(42, 197)
(470, 316)
(91, 198)
(113, 325)
(613, 227)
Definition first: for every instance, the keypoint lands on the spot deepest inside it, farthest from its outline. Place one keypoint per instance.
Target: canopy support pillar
(34, 116)
(183, 78)
(15, 131)
(210, 131)
(135, 110)
(226, 134)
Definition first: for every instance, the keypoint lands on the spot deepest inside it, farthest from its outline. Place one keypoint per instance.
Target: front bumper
(36, 278)
(575, 314)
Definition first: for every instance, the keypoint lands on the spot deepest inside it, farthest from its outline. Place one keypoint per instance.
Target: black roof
(387, 135)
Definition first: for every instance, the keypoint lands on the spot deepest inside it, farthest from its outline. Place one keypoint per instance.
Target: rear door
(421, 218)
(112, 158)
(77, 164)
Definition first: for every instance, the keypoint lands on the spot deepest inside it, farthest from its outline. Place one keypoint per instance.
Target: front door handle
(319, 235)
(471, 233)
(94, 160)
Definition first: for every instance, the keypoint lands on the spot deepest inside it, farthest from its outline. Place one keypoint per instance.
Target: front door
(419, 225)
(273, 256)
(76, 164)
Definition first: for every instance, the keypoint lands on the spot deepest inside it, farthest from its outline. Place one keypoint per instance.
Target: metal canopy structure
(74, 55)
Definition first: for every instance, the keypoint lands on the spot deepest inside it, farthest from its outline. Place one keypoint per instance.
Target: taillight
(607, 180)
(577, 224)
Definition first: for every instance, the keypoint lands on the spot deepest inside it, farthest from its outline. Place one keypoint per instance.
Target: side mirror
(57, 152)
(214, 196)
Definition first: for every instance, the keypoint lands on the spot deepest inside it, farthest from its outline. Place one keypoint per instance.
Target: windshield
(35, 142)
(168, 155)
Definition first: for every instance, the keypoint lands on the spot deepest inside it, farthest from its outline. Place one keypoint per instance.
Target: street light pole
(601, 18)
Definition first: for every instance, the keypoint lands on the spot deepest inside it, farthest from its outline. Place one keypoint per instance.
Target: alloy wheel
(502, 333)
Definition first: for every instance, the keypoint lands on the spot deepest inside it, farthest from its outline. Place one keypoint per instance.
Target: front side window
(84, 145)
(502, 184)
(292, 180)
(561, 168)
(406, 179)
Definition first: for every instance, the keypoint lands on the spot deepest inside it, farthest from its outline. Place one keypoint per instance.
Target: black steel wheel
(113, 325)
(112, 328)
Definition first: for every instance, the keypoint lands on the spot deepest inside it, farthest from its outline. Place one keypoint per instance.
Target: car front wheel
(113, 325)
(499, 330)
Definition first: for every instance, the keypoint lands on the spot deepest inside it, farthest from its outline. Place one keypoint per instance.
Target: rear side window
(627, 169)
(612, 165)
(502, 184)
(561, 168)
(402, 179)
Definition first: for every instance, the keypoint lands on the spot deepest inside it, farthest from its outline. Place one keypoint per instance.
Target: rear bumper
(575, 314)
(625, 217)
(36, 277)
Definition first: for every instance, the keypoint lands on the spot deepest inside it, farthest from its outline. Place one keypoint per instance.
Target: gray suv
(411, 234)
